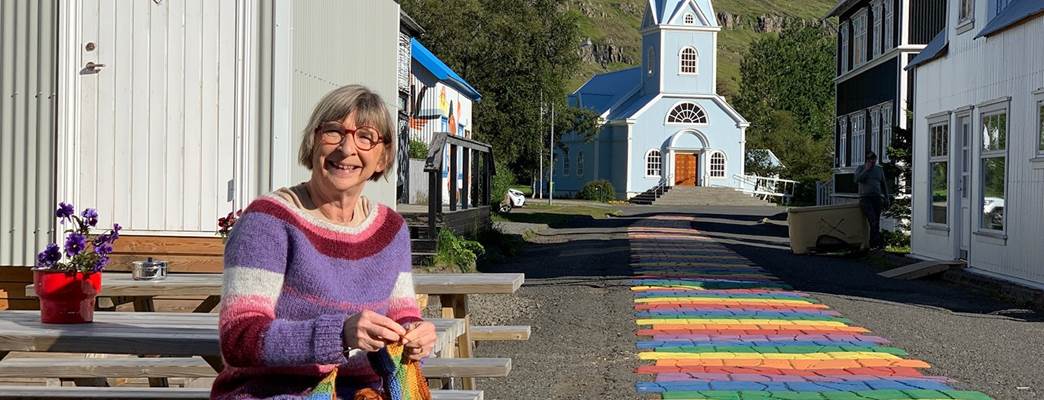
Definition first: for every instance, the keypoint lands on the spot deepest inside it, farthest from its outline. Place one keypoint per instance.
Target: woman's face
(344, 167)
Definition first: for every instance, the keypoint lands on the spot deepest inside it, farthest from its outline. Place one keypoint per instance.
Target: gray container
(149, 270)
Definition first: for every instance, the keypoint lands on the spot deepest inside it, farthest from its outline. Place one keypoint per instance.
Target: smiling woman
(317, 276)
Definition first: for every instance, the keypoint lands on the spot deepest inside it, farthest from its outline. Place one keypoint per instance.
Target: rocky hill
(611, 39)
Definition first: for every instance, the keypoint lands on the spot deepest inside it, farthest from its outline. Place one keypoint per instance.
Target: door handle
(92, 67)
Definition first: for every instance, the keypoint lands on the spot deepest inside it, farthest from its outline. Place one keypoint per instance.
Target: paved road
(581, 310)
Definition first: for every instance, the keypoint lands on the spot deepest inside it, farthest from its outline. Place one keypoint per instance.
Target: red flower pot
(66, 297)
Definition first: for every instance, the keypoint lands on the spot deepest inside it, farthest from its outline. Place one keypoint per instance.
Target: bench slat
(467, 367)
(70, 392)
(507, 332)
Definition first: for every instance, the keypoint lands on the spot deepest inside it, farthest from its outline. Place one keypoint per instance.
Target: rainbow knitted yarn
(403, 379)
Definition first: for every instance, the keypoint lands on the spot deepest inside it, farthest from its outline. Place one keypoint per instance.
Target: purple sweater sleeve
(250, 334)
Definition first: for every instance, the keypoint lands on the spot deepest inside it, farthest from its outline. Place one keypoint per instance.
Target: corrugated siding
(330, 51)
(975, 71)
(155, 149)
(28, 84)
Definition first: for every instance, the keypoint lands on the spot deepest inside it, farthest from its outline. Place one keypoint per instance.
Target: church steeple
(679, 54)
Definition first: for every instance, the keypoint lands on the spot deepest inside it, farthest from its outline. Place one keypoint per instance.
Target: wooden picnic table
(167, 334)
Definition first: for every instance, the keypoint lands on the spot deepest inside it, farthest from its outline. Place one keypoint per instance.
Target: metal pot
(149, 270)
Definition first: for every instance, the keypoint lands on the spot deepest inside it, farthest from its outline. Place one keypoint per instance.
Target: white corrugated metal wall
(28, 32)
(336, 43)
(1007, 64)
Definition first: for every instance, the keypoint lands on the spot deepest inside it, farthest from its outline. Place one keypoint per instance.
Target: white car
(517, 198)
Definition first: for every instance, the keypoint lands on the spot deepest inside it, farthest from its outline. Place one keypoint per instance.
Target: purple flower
(100, 263)
(49, 256)
(64, 211)
(74, 244)
(90, 216)
(103, 249)
(115, 232)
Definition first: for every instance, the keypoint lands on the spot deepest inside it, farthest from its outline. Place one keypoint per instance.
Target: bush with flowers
(83, 252)
(226, 223)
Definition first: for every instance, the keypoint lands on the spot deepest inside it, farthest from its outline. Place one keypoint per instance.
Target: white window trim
(859, 19)
(1038, 95)
(681, 63)
(724, 165)
(889, 25)
(886, 130)
(878, 25)
(667, 118)
(989, 109)
(875, 130)
(935, 122)
(858, 156)
(689, 19)
(968, 21)
(844, 47)
(843, 142)
(660, 170)
(580, 163)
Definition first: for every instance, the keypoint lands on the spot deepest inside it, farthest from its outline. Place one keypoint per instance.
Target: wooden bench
(195, 367)
(507, 332)
(44, 392)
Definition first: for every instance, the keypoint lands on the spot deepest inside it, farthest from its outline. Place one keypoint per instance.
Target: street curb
(1015, 293)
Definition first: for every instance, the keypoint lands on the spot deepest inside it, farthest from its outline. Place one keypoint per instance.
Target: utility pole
(540, 127)
(551, 151)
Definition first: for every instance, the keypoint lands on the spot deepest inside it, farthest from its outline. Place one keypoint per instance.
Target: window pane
(993, 193)
(939, 192)
(1041, 120)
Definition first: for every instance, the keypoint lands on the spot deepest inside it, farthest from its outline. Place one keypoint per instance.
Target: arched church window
(690, 61)
(689, 19)
(580, 164)
(650, 62)
(717, 165)
(653, 163)
(565, 162)
(687, 113)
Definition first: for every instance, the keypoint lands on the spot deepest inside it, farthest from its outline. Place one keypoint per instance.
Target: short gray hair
(369, 110)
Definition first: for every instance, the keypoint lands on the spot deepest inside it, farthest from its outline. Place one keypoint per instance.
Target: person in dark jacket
(873, 196)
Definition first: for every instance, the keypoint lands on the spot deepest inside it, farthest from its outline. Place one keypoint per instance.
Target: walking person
(873, 196)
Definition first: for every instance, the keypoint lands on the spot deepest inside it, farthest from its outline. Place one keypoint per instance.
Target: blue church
(663, 121)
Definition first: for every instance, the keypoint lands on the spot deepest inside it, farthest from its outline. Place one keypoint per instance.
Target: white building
(978, 158)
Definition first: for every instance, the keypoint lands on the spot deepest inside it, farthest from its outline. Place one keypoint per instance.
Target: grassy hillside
(616, 22)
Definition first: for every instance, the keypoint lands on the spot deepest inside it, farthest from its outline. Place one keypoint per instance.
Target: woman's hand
(370, 331)
(419, 339)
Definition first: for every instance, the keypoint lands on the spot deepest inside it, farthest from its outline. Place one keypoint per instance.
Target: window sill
(994, 237)
(965, 25)
(652, 177)
(1037, 162)
(937, 229)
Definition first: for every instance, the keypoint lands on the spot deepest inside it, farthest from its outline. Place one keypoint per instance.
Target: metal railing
(825, 192)
(766, 188)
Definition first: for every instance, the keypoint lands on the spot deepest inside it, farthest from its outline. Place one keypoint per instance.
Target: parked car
(512, 199)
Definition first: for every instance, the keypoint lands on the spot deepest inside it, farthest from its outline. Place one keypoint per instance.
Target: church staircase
(707, 196)
(648, 197)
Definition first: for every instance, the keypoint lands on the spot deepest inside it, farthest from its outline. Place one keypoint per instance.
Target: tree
(787, 93)
(515, 53)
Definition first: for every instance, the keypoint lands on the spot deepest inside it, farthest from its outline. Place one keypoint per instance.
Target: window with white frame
(859, 38)
(687, 113)
(964, 138)
(843, 55)
(653, 163)
(938, 171)
(690, 61)
(689, 19)
(842, 141)
(858, 138)
(1040, 125)
(993, 167)
(650, 62)
(966, 12)
(886, 131)
(580, 164)
(878, 16)
(889, 24)
(565, 162)
(875, 130)
(717, 165)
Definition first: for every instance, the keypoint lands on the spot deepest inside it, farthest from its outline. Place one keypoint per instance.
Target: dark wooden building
(876, 41)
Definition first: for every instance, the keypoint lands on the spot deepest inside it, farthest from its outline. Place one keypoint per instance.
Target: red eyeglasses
(364, 137)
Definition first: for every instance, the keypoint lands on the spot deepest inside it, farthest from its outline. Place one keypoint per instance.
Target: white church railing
(766, 188)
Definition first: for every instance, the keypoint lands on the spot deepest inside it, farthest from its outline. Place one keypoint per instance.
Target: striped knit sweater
(291, 280)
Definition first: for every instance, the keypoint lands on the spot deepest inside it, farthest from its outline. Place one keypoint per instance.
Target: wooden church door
(686, 169)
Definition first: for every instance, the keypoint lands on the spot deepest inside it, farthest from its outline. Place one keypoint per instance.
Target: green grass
(557, 215)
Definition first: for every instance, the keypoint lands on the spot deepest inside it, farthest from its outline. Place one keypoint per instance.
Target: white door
(155, 143)
(964, 143)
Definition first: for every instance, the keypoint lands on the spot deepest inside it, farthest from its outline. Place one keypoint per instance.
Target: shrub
(503, 180)
(418, 149)
(896, 239)
(600, 190)
(457, 252)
